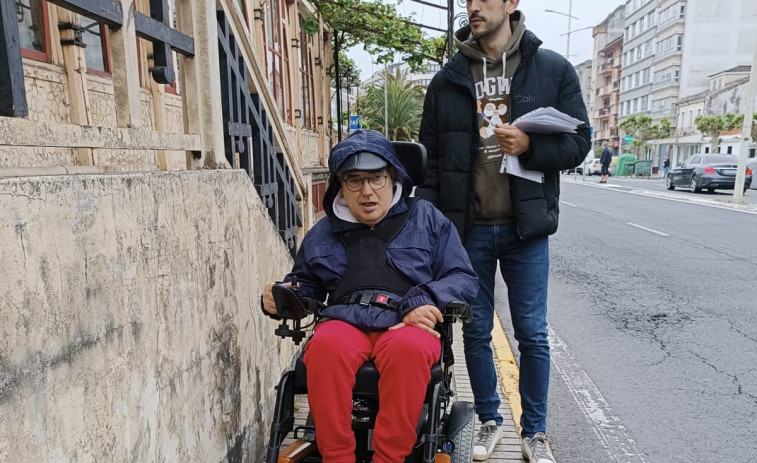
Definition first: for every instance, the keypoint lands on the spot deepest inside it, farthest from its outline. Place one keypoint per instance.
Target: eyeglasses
(376, 181)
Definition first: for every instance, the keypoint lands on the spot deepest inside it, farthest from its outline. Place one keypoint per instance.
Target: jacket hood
(469, 45)
(369, 141)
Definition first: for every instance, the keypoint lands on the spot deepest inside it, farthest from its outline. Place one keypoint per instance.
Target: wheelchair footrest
(296, 451)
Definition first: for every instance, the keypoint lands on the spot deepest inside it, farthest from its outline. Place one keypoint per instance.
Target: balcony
(607, 111)
(665, 82)
(606, 67)
(667, 52)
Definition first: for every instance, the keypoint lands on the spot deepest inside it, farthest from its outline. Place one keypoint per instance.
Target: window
(307, 86)
(97, 53)
(32, 29)
(277, 55)
(730, 150)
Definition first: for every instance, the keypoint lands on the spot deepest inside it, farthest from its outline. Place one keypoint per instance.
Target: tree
(379, 28)
(640, 127)
(405, 106)
(712, 125)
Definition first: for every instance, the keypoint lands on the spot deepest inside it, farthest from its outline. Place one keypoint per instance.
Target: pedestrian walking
(666, 167)
(605, 160)
(503, 219)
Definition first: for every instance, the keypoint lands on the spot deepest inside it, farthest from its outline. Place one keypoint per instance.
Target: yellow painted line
(508, 369)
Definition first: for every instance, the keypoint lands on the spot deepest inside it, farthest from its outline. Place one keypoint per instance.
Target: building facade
(670, 49)
(158, 162)
(606, 69)
(586, 80)
(638, 58)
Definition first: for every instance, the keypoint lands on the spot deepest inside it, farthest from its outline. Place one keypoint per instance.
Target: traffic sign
(356, 122)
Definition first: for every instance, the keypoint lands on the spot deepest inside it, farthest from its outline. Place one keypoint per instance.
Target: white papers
(547, 120)
(541, 120)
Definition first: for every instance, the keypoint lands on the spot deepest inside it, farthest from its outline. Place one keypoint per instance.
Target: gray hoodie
(492, 83)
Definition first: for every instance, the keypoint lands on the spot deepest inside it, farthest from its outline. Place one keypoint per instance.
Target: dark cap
(362, 161)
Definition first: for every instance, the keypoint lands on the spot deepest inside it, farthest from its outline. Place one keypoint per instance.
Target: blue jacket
(606, 158)
(427, 250)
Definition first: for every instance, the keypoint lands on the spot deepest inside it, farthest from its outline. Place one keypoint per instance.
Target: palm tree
(405, 106)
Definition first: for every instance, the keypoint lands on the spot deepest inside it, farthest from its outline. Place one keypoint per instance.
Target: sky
(551, 28)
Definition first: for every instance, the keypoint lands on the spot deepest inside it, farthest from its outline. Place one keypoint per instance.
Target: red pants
(403, 358)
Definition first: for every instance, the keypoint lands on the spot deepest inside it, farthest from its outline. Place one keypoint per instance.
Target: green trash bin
(643, 168)
(625, 165)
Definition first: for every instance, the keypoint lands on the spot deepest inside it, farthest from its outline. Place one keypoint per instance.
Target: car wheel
(694, 185)
(669, 183)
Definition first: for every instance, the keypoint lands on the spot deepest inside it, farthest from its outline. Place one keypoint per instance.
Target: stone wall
(131, 329)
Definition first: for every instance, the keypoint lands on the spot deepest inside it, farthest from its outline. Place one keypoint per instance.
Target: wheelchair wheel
(463, 442)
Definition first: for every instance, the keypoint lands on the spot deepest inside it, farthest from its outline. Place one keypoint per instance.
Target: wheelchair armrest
(290, 304)
(457, 310)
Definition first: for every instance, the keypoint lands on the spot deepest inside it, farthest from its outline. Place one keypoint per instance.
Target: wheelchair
(445, 428)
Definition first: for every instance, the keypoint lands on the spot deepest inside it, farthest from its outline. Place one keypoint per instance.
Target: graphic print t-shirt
(492, 78)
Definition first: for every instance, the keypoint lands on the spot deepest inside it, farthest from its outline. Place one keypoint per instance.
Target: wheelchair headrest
(413, 158)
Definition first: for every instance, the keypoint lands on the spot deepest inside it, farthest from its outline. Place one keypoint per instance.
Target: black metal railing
(249, 139)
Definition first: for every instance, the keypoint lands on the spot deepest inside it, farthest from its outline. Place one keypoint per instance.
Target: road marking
(611, 433)
(569, 204)
(672, 197)
(647, 229)
(508, 369)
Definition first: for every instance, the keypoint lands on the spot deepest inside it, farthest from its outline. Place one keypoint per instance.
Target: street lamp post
(570, 17)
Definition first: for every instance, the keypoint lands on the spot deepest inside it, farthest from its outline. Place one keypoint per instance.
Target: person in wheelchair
(387, 263)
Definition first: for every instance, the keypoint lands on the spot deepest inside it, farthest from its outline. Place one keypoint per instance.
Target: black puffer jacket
(449, 130)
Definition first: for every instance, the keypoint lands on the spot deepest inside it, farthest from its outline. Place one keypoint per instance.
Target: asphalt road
(653, 318)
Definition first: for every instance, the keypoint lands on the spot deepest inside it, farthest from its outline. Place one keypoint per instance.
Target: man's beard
(490, 28)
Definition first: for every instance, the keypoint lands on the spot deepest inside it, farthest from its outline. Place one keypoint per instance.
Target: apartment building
(726, 93)
(638, 58)
(605, 115)
(584, 70)
(673, 46)
(668, 53)
(606, 69)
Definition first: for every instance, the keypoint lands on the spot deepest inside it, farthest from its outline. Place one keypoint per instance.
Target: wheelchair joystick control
(292, 308)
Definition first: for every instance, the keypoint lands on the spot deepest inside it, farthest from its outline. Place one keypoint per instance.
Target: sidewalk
(508, 450)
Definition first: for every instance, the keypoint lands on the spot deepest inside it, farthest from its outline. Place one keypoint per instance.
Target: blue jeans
(525, 270)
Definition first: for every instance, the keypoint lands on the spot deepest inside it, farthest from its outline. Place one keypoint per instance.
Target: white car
(594, 167)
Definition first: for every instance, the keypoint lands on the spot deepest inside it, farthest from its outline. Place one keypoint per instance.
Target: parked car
(581, 168)
(709, 171)
(594, 167)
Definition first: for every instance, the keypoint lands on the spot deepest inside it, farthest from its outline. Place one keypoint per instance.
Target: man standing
(666, 167)
(502, 218)
(605, 160)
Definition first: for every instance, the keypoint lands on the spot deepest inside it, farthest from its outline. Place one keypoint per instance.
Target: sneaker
(487, 438)
(537, 449)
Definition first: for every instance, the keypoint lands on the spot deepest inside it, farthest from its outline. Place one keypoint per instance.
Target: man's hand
(424, 317)
(268, 304)
(512, 140)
